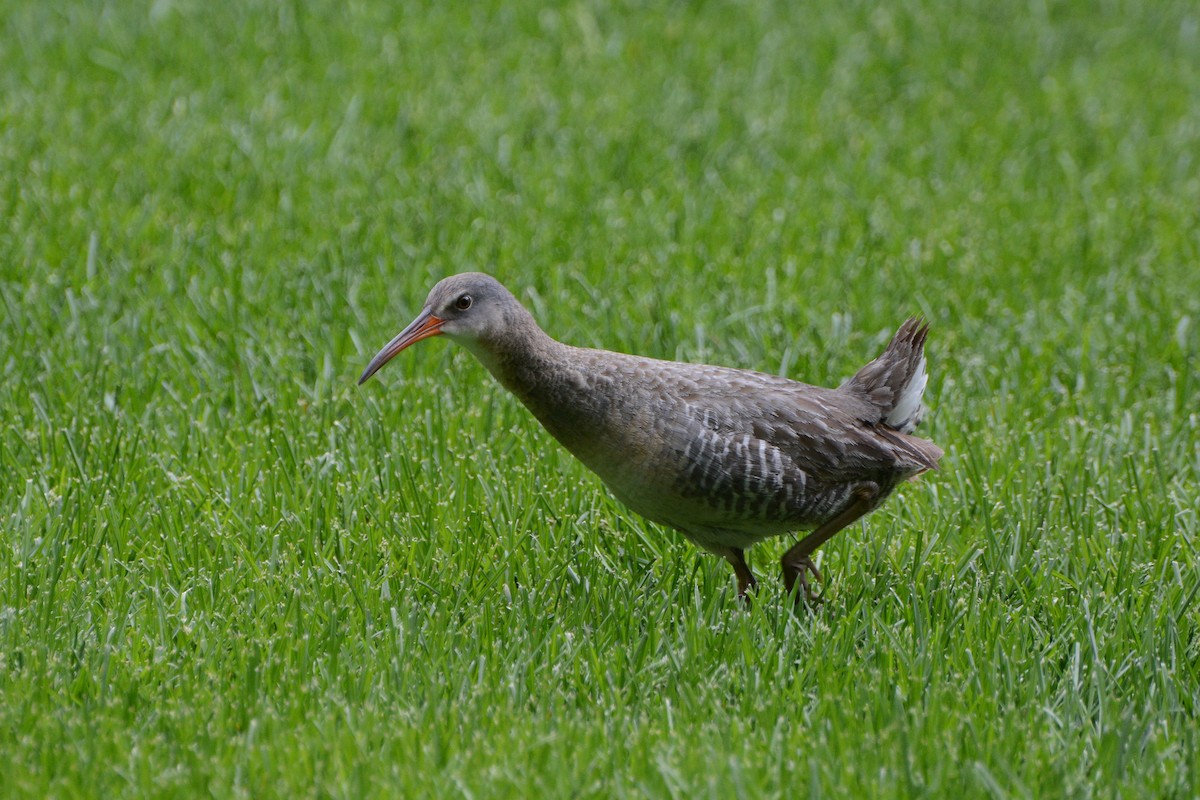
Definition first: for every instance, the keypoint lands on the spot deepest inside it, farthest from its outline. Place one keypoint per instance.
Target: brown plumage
(728, 457)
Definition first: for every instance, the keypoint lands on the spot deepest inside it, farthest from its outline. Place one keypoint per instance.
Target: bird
(727, 457)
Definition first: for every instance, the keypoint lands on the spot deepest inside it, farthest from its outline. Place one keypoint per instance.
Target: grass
(228, 570)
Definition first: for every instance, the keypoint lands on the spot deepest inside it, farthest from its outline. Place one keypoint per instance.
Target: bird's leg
(797, 561)
(746, 581)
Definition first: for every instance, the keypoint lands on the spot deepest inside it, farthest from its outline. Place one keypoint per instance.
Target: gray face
(473, 309)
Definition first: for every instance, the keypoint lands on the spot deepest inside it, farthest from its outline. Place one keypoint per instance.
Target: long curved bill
(424, 326)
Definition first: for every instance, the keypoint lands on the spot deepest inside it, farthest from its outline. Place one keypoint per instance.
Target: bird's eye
(463, 303)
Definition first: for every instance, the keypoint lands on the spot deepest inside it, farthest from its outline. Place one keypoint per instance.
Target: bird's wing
(824, 432)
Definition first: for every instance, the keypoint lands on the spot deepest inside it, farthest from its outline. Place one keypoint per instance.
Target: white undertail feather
(907, 413)
(894, 383)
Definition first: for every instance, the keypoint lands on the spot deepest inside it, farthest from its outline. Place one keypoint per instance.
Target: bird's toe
(797, 571)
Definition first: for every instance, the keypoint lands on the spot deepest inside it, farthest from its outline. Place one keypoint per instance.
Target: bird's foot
(746, 582)
(747, 590)
(798, 569)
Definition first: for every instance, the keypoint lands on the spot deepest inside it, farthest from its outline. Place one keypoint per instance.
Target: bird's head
(472, 309)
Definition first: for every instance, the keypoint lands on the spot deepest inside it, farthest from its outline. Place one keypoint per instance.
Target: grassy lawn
(227, 570)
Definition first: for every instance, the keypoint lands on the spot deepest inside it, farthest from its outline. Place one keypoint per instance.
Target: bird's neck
(549, 379)
(522, 357)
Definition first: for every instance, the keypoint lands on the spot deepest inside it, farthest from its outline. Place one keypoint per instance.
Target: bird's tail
(895, 382)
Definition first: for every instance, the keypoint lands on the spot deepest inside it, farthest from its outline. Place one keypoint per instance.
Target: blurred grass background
(227, 570)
